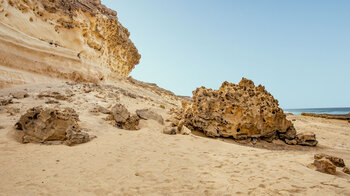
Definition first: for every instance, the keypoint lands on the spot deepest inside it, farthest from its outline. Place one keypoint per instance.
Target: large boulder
(240, 111)
(47, 125)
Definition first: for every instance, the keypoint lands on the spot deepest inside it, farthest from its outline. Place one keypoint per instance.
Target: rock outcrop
(149, 114)
(327, 164)
(240, 111)
(328, 116)
(48, 125)
(306, 139)
(80, 40)
(123, 119)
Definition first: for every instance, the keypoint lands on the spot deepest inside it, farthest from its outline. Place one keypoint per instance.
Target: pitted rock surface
(328, 164)
(240, 111)
(45, 125)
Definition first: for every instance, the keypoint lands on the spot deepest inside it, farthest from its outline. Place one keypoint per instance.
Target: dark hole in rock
(18, 126)
(238, 130)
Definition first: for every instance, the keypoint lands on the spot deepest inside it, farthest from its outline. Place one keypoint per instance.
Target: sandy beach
(148, 162)
(64, 79)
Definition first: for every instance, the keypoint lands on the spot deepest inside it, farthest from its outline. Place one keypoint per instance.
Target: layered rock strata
(240, 111)
(78, 40)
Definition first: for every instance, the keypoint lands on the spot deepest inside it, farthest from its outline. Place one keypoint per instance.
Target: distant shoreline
(332, 111)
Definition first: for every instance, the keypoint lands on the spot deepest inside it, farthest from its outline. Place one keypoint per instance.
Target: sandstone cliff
(79, 40)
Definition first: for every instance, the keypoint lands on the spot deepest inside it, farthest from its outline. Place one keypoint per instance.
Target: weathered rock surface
(170, 130)
(327, 164)
(306, 139)
(63, 95)
(79, 40)
(338, 162)
(240, 111)
(173, 130)
(123, 118)
(346, 170)
(19, 95)
(46, 125)
(328, 116)
(149, 114)
(5, 101)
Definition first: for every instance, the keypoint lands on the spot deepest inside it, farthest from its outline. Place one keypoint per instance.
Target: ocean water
(318, 111)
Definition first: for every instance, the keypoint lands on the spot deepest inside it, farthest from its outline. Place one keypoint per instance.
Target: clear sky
(298, 49)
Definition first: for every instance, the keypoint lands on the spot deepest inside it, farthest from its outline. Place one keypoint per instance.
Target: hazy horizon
(299, 50)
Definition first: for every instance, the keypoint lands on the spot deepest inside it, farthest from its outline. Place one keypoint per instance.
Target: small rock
(325, 166)
(338, 162)
(51, 101)
(120, 113)
(291, 142)
(5, 101)
(13, 111)
(169, 130)
(103, 110)
(64, 95)
(306, 139)
(346, 170)
(148, 114)
(185, 130)
(124, 119)
(19, 95)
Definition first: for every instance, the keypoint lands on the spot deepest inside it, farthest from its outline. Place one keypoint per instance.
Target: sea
(319, 110)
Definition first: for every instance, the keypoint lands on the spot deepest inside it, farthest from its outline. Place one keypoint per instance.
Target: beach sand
(148, 162)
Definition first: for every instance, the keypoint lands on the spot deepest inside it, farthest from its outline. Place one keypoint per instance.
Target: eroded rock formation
(46, 125)
(240, 111)
(328, 164)
(80, 40)
(123, 118)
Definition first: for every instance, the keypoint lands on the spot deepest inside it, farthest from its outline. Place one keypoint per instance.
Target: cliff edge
(80, 40)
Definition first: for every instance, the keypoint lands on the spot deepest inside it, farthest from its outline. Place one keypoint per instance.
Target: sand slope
(148, 162)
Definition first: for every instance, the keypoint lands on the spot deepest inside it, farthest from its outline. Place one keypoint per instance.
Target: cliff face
(72, 39)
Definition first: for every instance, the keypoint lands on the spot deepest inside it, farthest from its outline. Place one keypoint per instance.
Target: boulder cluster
(240, 111)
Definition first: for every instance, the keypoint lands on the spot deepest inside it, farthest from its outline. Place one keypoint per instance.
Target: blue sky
(298, 49)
